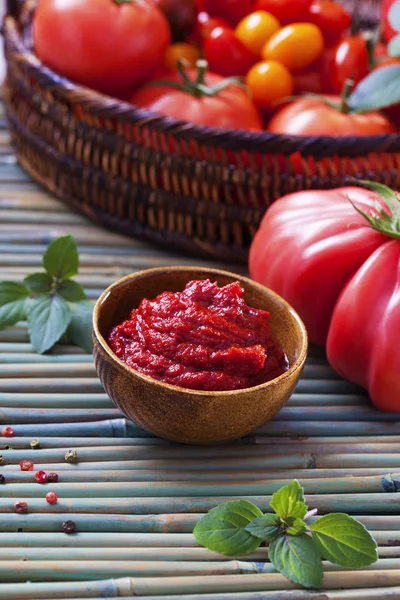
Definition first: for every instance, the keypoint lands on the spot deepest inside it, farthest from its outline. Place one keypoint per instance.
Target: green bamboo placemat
(135, 499)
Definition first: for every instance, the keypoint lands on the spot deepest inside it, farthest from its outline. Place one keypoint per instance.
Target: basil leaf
(394, 46)
(296, 526)
(71, 291)
(394, 16)
(11, 291)
(80, 328)
(12, 312)
(379, 89)
(12, 303)
(344, 541)
(61, 259)
(223, 529)
(289, 501)
(265, 527)
(48, 319)
(40, 283)
(298, 559)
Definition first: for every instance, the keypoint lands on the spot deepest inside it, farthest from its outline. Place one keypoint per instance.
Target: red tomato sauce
(203, 338)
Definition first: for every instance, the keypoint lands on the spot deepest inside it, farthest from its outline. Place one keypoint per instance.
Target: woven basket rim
(101, 105)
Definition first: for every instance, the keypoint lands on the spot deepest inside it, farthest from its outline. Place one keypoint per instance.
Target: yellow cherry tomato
(269, 81)
(183, 51)
(296, 46)
(256, 29)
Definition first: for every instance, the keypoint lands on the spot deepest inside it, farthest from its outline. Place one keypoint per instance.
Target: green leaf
(12, 303)
(12, 312)
(39, 283)
(394, 47)
(380, 218)
(379, 89)
(11, 291)
(265, 527)
(296, 526)
(394, 16)
(344, 541)
(289, 501)
(80, 328)
(223, 529)
(71, 291)
(61, 259)
(298, 559)
(48, 319)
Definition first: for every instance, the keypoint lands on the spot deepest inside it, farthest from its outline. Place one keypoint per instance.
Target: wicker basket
(116, 165)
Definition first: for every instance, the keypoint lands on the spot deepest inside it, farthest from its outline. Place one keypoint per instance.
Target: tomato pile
(148, 52)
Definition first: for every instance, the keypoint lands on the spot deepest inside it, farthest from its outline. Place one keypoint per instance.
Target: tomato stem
(344, 100)
(385, 215)
(198, 87)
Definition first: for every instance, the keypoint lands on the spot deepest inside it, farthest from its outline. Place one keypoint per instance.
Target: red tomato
(380, 51)
(231, 11)
(309, 80)
(226, 54)
(231, 108)
(206, 24)
(332, 18)
(312, 116)
(104, 45)
(387, 30)
(286, 11)
(363, 341)
(308, 246)
(349, 60)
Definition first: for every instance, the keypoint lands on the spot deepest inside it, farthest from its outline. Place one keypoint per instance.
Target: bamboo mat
(134, 498)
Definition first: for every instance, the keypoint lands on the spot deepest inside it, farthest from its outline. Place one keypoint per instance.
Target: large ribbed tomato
(340, 270)
(108, 45)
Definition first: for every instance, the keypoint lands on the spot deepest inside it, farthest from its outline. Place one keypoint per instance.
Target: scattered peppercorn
(52, 478)
(7, 432)
(71, 456)
(35, 444)
(2, 479)
(26, 465)
(21, 507)
(69, 527)
(51, 498)
(41, 477)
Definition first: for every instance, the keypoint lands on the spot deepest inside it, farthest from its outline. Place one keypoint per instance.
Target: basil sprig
(296, 548)
(52, 302)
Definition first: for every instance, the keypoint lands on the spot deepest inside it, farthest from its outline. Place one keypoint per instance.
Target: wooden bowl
(183, 415)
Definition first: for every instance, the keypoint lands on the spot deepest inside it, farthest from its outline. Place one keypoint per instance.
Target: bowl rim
(298, 363)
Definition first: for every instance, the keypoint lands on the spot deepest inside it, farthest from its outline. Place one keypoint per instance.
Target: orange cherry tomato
(268, 82)
(296, 46)
(181, 51)
(256, 29)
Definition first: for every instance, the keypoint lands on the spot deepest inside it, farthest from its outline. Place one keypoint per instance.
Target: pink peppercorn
(51, 497)
(26, 465)
(41, 477)
(7, 432)
(52, 477)
(21, 507)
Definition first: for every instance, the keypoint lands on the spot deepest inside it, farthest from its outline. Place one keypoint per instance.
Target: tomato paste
(203, 338)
